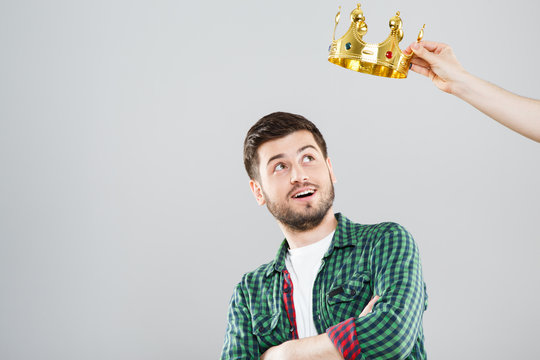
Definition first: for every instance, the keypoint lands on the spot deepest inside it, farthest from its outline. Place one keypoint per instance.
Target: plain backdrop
(125, 213)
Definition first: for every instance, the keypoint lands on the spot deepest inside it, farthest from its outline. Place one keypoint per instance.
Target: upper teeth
(307, 192)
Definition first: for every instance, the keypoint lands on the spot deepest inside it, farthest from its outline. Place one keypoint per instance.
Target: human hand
(369, 306)
(438, 62)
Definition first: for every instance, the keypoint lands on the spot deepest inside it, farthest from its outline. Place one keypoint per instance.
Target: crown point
(397, 14)
(421, 34)
(336, 21)
(357, 15)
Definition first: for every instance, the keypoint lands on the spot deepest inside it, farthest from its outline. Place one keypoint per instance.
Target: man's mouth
(303, 194)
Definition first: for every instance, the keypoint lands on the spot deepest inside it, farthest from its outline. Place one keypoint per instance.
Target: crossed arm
(318, 347)
(438, 62)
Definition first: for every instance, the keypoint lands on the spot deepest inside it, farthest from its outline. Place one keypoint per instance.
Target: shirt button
(319, 317)
(292, 330)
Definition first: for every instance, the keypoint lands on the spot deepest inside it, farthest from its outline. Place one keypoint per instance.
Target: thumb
(423, 53)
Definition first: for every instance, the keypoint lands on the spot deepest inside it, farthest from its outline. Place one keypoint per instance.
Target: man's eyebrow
(278, 156)
(306, 147)
(274, 158)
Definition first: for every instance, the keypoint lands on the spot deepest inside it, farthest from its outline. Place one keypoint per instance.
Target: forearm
(518, 113)
(394, 328)
(313, 348)
(318, 347)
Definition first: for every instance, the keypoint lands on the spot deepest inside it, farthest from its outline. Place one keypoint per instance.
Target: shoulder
(392, 238)
(385, 232)
(258, 283)
(254, 279)
(350, 232)
(389, 229)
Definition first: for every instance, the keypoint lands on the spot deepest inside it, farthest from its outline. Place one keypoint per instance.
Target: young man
(336, 289)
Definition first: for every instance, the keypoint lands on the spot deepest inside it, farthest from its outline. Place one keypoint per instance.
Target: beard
(307, 218)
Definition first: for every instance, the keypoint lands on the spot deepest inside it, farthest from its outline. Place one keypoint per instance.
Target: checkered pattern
(343, 335)
(362, 261)
(288, 300)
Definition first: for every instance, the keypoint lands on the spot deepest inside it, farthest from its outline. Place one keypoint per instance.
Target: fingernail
(415, 46)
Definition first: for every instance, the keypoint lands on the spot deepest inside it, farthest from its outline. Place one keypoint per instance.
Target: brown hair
(274, 126)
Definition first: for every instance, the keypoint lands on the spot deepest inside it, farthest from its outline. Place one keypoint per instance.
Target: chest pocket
(268, 331)
(348, 299)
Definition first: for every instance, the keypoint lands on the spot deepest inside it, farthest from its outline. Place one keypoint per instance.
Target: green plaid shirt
(362, 261)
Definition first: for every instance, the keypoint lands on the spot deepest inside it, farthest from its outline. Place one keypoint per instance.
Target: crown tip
(421, 34)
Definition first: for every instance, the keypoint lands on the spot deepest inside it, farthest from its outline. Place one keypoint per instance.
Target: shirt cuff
(344, 337)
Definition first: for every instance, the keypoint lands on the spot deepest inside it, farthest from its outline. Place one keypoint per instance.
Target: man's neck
(298, 239)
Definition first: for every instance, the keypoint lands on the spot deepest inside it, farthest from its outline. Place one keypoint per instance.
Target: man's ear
(332, 176)
(256, 189)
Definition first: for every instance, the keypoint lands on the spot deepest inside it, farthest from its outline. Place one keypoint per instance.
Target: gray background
(126, 217)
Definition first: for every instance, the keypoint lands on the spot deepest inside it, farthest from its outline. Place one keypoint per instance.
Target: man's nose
(298, 174)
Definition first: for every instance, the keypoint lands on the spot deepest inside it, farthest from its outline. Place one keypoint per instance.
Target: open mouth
(303, 194)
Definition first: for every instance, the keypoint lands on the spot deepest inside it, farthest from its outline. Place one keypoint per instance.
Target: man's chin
(301, 215)
(304, 220)
(303, 205)
(304, 210)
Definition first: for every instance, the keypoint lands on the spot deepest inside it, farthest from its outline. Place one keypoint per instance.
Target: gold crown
(383, 59)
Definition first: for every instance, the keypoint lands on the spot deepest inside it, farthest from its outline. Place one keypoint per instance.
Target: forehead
(287, 145)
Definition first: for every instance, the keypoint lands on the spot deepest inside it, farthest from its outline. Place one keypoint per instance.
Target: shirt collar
(343, 236)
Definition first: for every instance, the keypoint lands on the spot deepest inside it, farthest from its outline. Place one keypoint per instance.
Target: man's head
(286, 159)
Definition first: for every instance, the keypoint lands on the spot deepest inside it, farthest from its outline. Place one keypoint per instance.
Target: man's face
(296, 182)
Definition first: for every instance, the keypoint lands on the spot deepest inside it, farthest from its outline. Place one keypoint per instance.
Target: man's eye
(279, 167)
(308, 158)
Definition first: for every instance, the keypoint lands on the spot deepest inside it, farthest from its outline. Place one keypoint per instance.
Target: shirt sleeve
(393, 327)
(240, 343)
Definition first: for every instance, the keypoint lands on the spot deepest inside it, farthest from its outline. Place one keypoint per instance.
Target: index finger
(432, 45)
(408, 50)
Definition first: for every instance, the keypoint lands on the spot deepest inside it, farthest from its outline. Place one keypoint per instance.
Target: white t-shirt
(303, 265)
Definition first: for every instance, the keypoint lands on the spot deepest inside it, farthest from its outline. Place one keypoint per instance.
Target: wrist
(461, 84)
